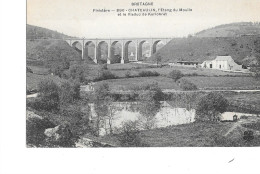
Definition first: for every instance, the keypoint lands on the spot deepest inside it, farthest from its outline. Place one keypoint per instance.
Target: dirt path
(32, 95)
(237, 124)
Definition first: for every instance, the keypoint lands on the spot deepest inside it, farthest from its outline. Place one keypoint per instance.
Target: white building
(222, 63)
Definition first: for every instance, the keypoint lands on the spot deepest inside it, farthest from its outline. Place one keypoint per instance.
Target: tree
(66, 63)
(105, 74)
(127, 74)
(60, 136)
(75, 85)
(158, 58)
(69, 91)
(66, 93)
(101, 108)
(77, 72)
(102, 91)
(175, 75)
(256, 68)
(256, 72)
(210, 107)
(111, 110)
(158, 94)
(48, 95)
(148, 107)
(130, 135)
(57, 70)
(35, 128)
(187, 85)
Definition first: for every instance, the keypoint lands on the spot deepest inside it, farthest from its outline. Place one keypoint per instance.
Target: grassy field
(128, 66)
(246, 98)
(134, 68)
(230, 82)
(130, 83)
(32, 80)
(39, 70)
(194, 134)
(199, 81)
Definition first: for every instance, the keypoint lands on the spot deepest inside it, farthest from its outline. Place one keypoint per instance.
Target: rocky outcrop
(30, 114)
(58, 132)
(60, 136)
(85, 142)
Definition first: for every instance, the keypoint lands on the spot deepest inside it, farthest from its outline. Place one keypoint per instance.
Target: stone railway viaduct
(111, 42)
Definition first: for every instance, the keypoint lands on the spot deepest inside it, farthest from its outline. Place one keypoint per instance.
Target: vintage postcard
(127, 86)
(155, 73)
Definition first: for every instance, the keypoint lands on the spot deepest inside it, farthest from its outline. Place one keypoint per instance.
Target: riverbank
(197, 134)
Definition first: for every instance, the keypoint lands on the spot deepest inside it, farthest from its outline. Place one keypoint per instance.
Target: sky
(76, 17)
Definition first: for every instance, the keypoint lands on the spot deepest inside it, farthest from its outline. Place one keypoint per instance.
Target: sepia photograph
(127, 86)
(142, 74)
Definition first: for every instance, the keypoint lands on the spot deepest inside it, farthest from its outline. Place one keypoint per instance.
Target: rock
(60, 136)
(30, 114)
(85, 142)
(53, 132)
(58, 132)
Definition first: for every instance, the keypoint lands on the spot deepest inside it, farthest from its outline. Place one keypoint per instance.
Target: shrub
(175, 75)
(29, 70)
(61, 136)
(128, 74)
(103, 66)
(157, 91)
(158, 58)
(35, 128)
(194, 74)
(71, 114)
(256, 72)
(102, 91)
(148, 107)
(210, 107)
(71, 110)
(76, 89)
(187, 85)
(77, 72)
(48, 96)
(255, 125)
(65, 64)
(66, 93)
(130, 135)
(57, 70)
(65, 74)
(148, 73)
(222, 141)
(106, 74)
(69, 92)
(116, 59)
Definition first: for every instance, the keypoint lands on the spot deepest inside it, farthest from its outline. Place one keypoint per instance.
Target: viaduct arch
(82, 46)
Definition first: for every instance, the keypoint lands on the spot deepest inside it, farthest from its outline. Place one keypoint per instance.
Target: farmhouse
(222, 63)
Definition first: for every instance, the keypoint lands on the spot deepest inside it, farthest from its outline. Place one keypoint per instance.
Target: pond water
(166, 115)
(126, 111)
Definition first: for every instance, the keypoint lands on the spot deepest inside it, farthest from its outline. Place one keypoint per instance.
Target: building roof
(207, 61)
(187, 61)
(227, 58)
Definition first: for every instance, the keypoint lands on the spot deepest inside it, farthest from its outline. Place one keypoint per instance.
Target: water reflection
(161, 115)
